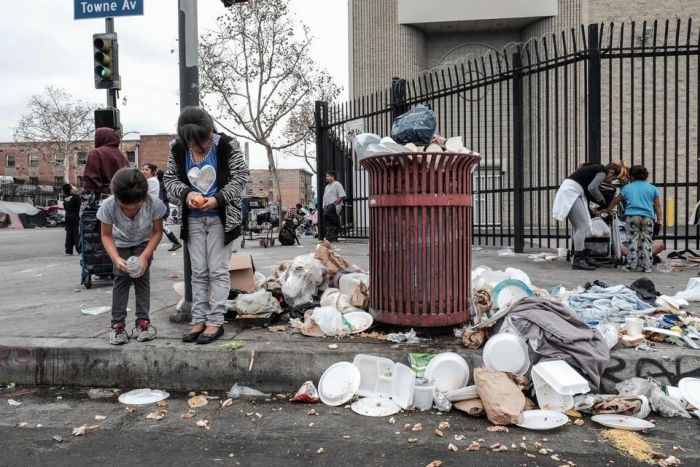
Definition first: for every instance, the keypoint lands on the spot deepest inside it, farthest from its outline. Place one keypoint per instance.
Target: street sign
(87, 9)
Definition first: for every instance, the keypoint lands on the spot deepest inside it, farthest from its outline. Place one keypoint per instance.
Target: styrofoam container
(381, 377)
(348, 282)
(462, 394)
(555, 383)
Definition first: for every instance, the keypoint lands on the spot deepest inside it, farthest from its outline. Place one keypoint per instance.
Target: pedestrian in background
(333, 196)
(103, 162)
(571, 202)
(156, 188)
(642, 217)
(132, 225)
(71, 206)
(207, 172)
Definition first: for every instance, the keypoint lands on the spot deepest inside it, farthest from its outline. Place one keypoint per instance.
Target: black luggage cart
(94, 260)
(260, 220)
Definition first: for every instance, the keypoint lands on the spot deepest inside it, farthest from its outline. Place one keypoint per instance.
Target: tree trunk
(276, 190)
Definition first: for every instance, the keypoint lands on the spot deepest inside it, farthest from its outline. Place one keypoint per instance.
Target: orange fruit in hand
(198, 200)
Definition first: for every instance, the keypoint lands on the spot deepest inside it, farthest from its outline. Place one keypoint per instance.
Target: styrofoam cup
(634, 326)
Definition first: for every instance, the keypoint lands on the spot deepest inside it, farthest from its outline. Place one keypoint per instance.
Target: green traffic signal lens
(102, 72)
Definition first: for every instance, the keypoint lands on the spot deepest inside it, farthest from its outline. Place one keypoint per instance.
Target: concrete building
(402, 38)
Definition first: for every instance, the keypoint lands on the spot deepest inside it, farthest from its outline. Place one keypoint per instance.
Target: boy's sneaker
(144, 331)
(118, 336)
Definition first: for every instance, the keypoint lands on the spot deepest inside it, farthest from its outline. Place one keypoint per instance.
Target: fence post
(398, 97)
(321, 122)
(593, 97)
(518, 155)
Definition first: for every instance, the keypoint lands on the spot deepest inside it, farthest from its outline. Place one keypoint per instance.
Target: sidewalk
(45, 339)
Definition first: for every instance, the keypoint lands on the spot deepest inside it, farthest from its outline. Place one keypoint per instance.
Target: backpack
(287, 236)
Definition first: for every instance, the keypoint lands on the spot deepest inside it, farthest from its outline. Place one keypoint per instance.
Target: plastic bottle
(133, 265)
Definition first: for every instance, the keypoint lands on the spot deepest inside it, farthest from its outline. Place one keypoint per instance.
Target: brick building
(34, 165)
(295, 185)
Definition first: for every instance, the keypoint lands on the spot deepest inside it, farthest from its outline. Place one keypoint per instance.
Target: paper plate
(448, 371)
(623, 422)
(359, 321)
(143, 396)
(462, 394)
(507, 352)
(510, 291)
(543, 420)
(375, 407)
(338, 383)
(690, 390)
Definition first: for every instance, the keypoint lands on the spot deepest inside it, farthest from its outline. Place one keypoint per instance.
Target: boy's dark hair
(332, 174)
(194, 126)
(66, 189)
(639, 172)
(151, 167)
(129, 186)
(298, 206)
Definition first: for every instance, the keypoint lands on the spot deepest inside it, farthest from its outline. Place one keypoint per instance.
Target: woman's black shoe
(192, 336)
(209, 338)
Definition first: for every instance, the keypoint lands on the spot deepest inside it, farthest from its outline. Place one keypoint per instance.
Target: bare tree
(58, 121)
(256, 72)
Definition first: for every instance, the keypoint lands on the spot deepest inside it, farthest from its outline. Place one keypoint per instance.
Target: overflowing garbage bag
(415, 126)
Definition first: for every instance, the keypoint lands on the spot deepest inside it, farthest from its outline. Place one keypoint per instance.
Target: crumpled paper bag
(473, 339)
(332, 261)
(360, 296)
(503, 401)
(473, 407)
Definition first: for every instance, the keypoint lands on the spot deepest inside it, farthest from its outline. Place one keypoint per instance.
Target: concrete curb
(276, 365)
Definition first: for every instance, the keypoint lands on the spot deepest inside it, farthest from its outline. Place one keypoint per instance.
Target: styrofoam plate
(359, 320)
(543, 420)
(510, 291)
(143, 396)
(507, 352)
(448, 371)
(375, 407)
(690, 390)
(462, 394)
(338, 383)
(623, 422)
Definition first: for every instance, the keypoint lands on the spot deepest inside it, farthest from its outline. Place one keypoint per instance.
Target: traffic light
(106, 52)
(108, 118)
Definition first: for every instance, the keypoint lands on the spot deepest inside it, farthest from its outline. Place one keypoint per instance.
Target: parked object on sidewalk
(555, 384)
(306, 393)
(242, 272)
(339, 383)
(143, 396)
(448, 371)
(237, 391)
(623, 422)
(503, 401)
(507, 352)
(96, 310)
(541, 420)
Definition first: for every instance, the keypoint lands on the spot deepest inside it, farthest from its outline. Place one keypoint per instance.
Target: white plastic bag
(609, 331)
(301, 280)
(330, 321)
(691, 292)
(332, 297)
(257, 303)
(599, 228)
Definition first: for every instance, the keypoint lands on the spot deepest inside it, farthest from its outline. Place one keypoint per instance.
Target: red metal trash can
(420, 237)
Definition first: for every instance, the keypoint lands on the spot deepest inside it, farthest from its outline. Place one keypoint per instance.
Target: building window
(59, 158)
(33, 160)
(82, 157)
(9, 161)
(34, 181)
(58, 181)
(131, 155)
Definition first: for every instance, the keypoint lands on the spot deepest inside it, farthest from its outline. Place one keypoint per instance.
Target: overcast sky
(43, 45)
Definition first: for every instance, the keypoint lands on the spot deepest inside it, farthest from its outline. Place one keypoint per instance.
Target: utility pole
(111, 93)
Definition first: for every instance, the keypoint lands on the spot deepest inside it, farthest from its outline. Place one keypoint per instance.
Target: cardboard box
(242, 272)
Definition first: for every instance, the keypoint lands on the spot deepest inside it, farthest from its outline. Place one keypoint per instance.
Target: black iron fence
(535, 111)
(40, 196)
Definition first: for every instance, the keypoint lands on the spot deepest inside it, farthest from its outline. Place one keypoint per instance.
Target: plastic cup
(634, 326)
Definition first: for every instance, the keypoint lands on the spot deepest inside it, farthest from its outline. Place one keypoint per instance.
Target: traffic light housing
(106, 56)
(108, 118)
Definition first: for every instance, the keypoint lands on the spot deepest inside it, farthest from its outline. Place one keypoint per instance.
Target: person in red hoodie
(103, 162)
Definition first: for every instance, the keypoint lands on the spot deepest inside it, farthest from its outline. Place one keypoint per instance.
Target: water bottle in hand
(133, 265)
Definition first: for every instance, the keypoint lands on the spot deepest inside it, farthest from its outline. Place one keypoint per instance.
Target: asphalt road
(281, 433)
(31, 243)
